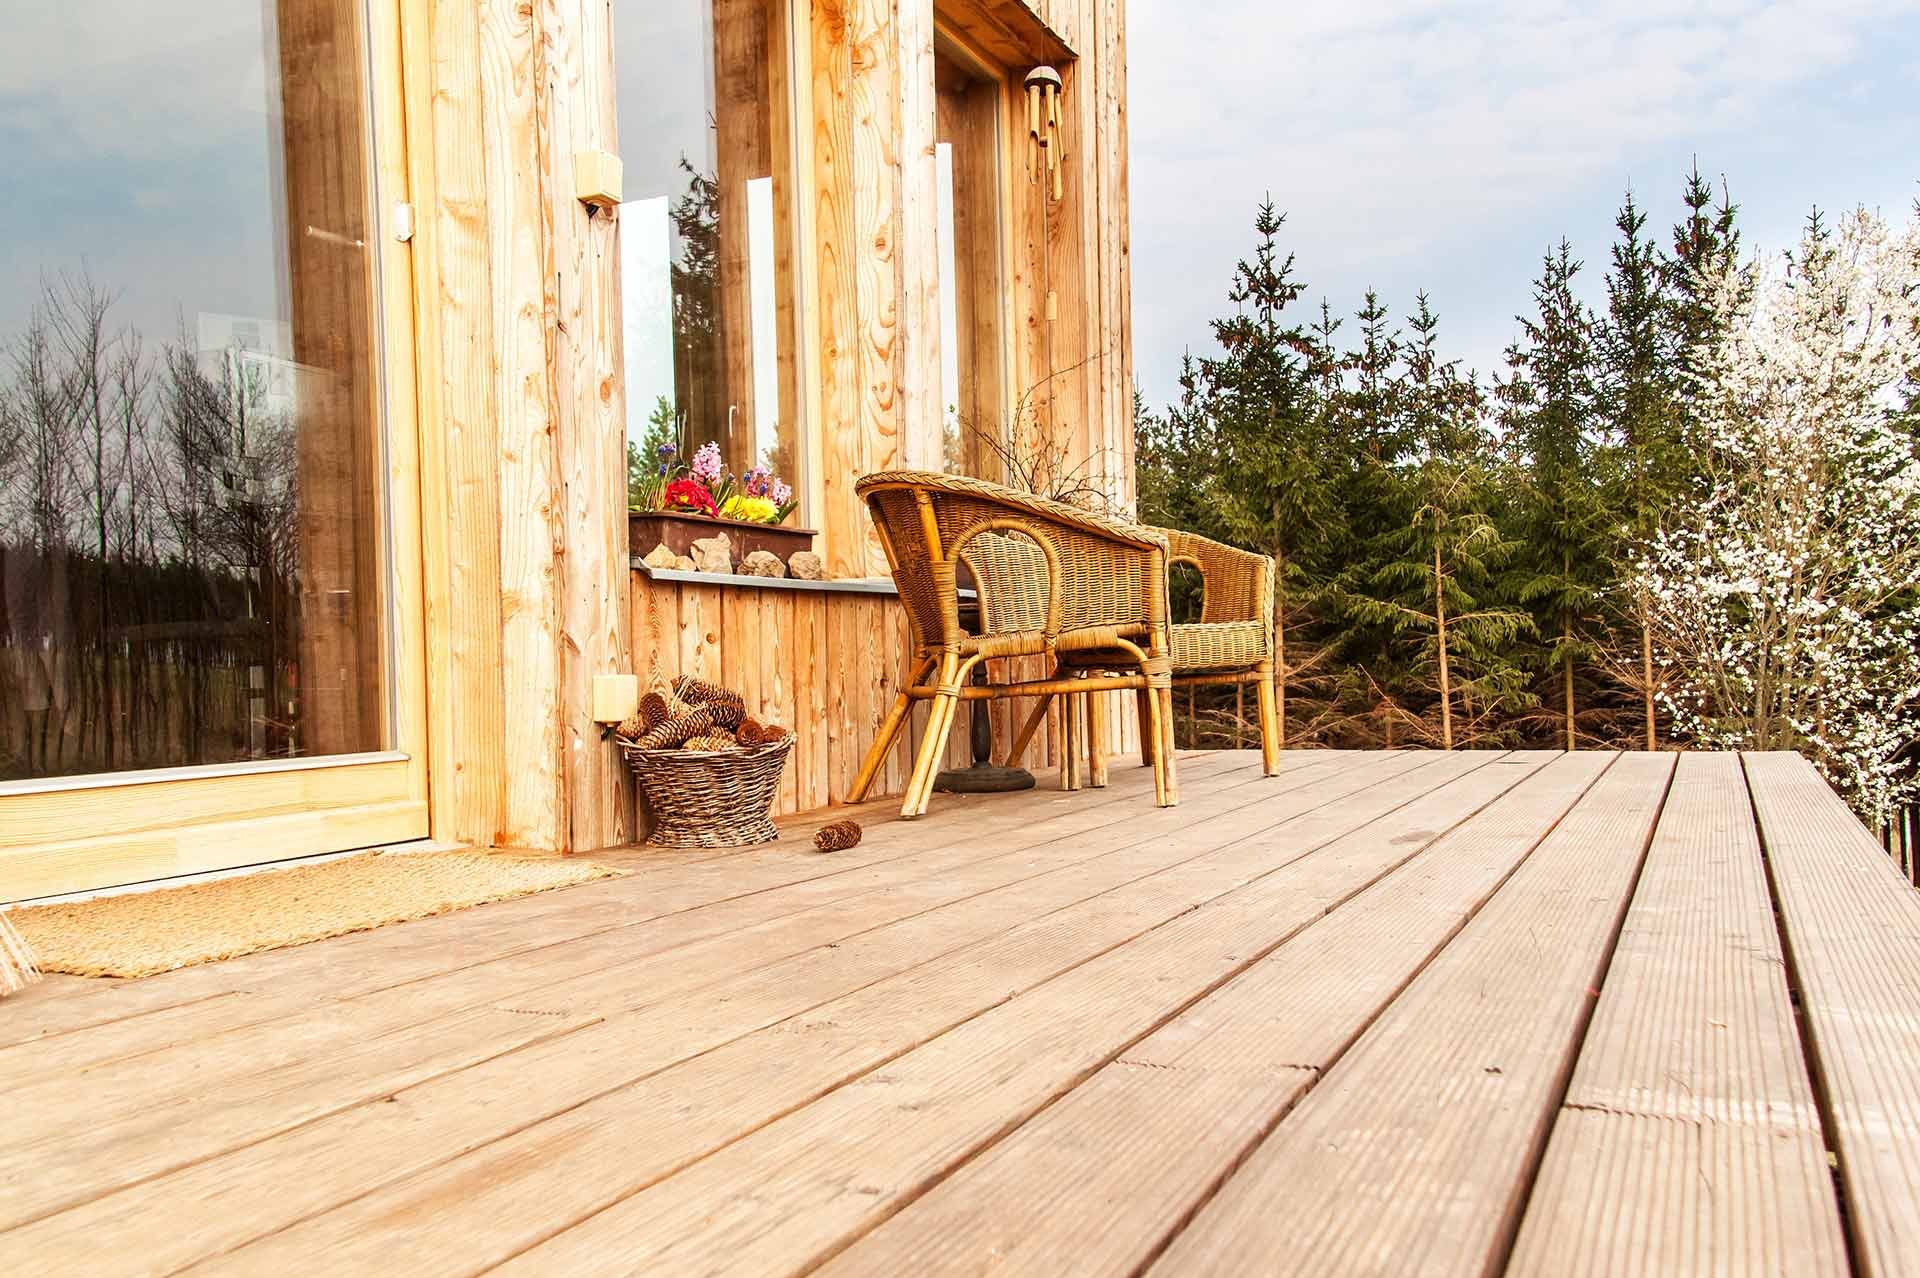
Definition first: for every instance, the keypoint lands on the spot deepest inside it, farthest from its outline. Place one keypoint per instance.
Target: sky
(1446, 144)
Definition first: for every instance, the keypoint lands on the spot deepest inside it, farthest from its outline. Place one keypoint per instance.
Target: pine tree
(1550, 416)
(1431, 576)
(1706, 245)
(1255, 405)
(1639, 394)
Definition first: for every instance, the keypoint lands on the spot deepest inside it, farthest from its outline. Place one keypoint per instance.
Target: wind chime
(1043, 126)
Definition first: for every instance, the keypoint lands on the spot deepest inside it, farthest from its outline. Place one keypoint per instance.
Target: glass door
(208, 522)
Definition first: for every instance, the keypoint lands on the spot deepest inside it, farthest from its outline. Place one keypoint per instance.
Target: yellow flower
(753, 510)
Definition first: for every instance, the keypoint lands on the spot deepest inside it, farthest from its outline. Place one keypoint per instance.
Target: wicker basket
(710, 798)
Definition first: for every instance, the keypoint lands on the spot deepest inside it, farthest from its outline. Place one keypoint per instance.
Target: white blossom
(1788, 596)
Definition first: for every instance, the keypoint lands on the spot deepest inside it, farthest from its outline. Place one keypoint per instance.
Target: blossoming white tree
(1787, 597)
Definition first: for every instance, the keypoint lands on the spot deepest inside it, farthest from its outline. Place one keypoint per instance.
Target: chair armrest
(1237, 584)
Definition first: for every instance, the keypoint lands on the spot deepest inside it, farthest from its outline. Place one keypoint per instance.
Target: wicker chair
(1054, 581)
(1232, 643)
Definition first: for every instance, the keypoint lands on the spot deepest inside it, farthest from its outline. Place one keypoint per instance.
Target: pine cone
(838, 836)
(716, 740)
(658, 707)
(631, 727)
(752, 732)
(728, 704)
(679, 730)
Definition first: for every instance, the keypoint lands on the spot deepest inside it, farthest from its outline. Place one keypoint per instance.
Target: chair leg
(1269, 726)
(1143, 702)
(1025, 739)
(1097, 740)
(1070, 740)
(889, 731)
(933, 743)
(1154, 733)
(1168, 764)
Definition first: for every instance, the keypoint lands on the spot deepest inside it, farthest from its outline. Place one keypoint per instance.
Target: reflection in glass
(706, 242)
(189, 451)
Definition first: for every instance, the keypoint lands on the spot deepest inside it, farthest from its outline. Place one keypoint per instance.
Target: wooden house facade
(352, 546)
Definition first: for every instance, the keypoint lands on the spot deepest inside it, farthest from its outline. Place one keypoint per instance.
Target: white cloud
(1401, 136)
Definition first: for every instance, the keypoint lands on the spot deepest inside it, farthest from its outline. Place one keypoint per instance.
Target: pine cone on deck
(838, 836)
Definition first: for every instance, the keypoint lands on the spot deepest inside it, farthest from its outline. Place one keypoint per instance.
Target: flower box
(649, 528)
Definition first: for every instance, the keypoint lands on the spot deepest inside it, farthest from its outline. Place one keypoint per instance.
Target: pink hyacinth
(781, 492)
(707, 466)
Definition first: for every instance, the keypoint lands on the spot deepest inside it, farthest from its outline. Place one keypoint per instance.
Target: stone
(684, 563)
(763, 563)
(807, 566)
(661, 556)
(713, 554)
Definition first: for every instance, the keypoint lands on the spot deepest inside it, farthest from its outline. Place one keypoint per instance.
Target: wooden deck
(1384, 1014)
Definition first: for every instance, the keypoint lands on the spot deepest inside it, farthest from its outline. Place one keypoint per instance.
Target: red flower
(689, 495)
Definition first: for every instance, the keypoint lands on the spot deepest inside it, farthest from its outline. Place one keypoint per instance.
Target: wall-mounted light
(1043, 126)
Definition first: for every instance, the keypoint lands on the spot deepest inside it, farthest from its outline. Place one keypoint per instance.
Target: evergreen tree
(1706, 245)
(1255, 405)
(1365, 406)
(1550, 415)
(1639, 395)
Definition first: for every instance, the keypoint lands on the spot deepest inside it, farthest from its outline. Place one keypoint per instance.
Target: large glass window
(706, 240)
(189, 440)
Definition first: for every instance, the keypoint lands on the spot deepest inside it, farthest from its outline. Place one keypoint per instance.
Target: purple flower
(780, 492)
(707, 466)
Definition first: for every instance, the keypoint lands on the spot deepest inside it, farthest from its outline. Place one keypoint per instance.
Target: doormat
(143, 933)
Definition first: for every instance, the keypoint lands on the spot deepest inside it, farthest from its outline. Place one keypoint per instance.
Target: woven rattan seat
(1054, 581)
(1206, 646)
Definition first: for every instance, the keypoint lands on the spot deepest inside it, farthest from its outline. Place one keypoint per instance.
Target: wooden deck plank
(555, 965)
(1116, 897)
(141, 1112)
(1689, 1143)
(156, 1013)
(1096, 1183)
(800, 1188)
(1414, 1154)
(37, 1180)
(1047, 1033)
(1852, 930)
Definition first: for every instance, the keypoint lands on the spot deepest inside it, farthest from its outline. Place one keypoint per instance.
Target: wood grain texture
(649, 1029)
(1689, 1142)
(1465, 1128)
(782, 1198)
(1095, 1183)
(1026, 1029)
(1852, 932)
(838, 254)
(590, 423)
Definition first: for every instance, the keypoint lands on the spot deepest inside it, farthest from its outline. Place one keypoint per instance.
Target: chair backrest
(1090, 570)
